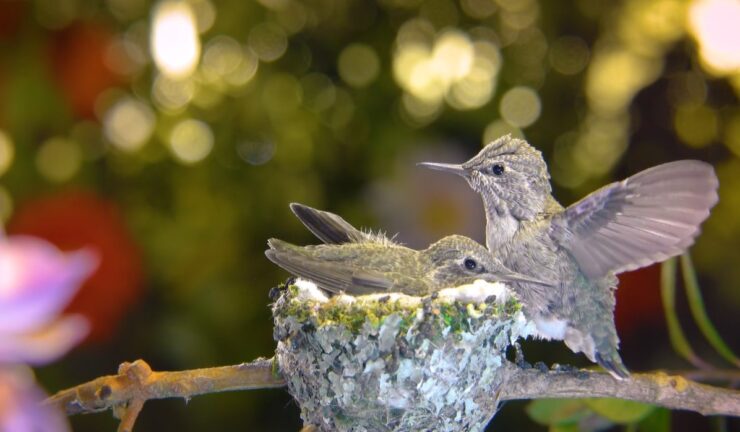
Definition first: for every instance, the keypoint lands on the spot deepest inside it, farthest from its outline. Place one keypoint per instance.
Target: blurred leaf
(572, 427)
(696, 303)
(619, 410)
(718, 424)
(668, 293)
(557, 412)
(658, 421)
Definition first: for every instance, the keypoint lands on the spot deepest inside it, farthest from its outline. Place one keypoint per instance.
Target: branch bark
(657, 388)
(136, 383)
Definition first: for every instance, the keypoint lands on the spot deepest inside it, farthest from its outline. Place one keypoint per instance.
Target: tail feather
(327, 227)
(613, 364)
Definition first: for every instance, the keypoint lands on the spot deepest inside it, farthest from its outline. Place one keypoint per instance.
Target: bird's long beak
(510, 276)
(450, 168)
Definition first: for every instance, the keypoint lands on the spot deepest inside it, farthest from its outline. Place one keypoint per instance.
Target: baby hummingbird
(358, 263)
(643, 219)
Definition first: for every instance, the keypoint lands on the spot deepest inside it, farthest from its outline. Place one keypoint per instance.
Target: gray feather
(644, 219)
(327, 227)
(333, 276)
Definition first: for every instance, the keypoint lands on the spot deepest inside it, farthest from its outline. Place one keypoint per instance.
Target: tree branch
(136, 383)
(657, 388)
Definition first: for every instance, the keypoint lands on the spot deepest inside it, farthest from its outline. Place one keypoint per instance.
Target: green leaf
(696, 304)
(571, 427)
(557, 412)
(619, 410)
(675, 334)
(658, 421)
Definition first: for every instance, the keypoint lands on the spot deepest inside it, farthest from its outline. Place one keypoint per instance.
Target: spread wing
(327, 227)
(643, 219)
(334, 276)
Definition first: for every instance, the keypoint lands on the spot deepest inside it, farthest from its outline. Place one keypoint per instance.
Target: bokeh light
(282, 94)
(191, 141)
(714, 24)
(225, 61)
(59, 159)
(7, 152)
(358, 65)
(615, 76)
(174, 41)
(520, 106)
(696, 125)
(205, 14)
(129, 124)
(268, 41)
(478, 9)
(256, 152)
(445, 67)
(569, 55)
(172, 95)
(499, 128)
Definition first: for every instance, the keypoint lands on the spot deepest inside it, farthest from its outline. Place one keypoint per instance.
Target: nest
(396, 362)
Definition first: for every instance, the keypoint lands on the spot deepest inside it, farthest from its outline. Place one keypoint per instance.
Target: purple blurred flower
(37, 281)
(21, 408)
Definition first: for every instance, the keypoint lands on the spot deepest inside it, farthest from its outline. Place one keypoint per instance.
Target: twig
(729, 376)
(657, 388)
(136, 383)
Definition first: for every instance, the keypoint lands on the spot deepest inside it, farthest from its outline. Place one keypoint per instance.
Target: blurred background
(170, 136)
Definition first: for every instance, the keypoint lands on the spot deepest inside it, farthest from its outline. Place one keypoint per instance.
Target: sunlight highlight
(448, 68)
(174, 40)
(714, 24)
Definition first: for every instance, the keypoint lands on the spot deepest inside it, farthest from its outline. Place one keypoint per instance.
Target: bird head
(510, 175)
(458, 260)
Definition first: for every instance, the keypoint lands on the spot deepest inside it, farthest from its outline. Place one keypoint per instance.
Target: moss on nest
(374, 310)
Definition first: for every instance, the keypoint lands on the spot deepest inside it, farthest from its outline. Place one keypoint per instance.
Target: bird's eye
(497, 169)
(470, 264)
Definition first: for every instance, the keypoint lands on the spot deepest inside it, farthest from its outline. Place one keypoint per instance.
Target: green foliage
(557, 412)
(565, 415)
(696, 303)
(618, 410)
(668, 292)
(658, 421)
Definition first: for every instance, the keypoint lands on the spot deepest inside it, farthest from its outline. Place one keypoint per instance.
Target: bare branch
(136, 383)
(658, 388)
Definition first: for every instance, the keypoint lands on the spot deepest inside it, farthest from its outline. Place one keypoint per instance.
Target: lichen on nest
(395, 362)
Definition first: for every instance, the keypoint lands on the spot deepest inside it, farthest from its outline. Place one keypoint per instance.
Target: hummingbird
(358, 263)
(625, 225)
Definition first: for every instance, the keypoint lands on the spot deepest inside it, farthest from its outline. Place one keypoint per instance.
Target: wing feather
(327, 227)
(646, 218)
(333, 276)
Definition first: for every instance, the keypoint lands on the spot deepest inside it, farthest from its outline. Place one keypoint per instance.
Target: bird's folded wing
(646, 218)
(333, 276)
(327, 227)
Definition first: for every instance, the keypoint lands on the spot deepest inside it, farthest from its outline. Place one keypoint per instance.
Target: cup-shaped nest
(396, 362)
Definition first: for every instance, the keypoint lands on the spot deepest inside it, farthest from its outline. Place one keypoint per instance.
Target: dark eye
(470, 264)
(497, 169)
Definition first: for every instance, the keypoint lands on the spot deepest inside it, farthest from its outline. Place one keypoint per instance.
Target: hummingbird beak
(450, 168)
(510, 276)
